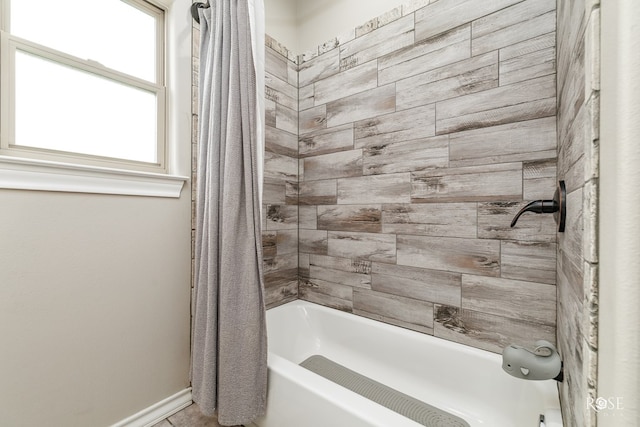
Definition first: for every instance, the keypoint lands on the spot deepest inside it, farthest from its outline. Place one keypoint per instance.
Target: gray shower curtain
(229, 361)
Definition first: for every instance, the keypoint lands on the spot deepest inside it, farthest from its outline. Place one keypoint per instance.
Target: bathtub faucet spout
(543, 363)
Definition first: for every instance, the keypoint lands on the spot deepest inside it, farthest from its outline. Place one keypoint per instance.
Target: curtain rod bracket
(195, 7)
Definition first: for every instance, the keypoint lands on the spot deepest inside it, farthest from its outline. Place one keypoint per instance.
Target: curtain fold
(229, 361)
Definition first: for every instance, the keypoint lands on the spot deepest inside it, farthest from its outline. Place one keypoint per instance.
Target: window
(83, 82)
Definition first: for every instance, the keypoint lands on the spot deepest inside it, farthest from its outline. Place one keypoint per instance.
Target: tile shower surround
(420, 135)
(396, 157)
(398, 153)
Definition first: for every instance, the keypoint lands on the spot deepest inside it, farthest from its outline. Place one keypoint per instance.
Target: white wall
(95, 290)
(619, 323)
(281, 22)
(94, 306)
(302, 25)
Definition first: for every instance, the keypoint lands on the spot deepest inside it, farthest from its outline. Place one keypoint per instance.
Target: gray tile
(306, 97)
(313, 119)
(428, 285)
(280, 263)
(324, 141)
(281, 217)
(391, 188)
(391, 37)
(286, 242)
(348, 265)
(319, 68)
(362, 246)
(494, 219)
(338, 274)
(314, 193)
(442, 16)
(355, 80)
(396, 310)
(330, 294)
(287, 119)
(365, 218)
(468, 184)
(472, 256)
(425, 55)
(308, 217)
(313, 242)
(273, 192)
(525, 47)
(527, 100)
(278, 292)
(513, 24)
(276, 64)
(516, 299)
(269, 112)
(281, 142)
(487, 331)
(530, 261)
(511, 142)
(364, 105)
(280, 167)
(336, 165)
(414, 123)
(431, 219)
(462, 78)
(406, 156)
(539, 179)
(528, 66)
(280, 92)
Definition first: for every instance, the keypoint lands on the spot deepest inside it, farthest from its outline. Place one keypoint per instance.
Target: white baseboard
(158, 411)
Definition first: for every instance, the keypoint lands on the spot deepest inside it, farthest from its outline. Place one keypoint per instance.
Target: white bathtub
(458, 379)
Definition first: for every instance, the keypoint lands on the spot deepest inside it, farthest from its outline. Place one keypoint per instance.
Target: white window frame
(38, 169)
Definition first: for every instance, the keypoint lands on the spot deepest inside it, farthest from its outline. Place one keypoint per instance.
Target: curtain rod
(195, 7)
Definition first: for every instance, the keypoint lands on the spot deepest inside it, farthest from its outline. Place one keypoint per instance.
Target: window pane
(61, 108)
(111, 32)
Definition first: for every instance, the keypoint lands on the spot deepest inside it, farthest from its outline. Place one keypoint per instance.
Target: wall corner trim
(28, 174)
(158, 411)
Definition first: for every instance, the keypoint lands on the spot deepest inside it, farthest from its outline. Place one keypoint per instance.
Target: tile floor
(189, 417)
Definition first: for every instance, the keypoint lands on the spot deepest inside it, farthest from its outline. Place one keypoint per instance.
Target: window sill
(28, 174)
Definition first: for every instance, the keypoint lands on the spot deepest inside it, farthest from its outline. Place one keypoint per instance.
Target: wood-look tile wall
(280, 212)
(396, 157)
(578, 136)
(419, 139)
